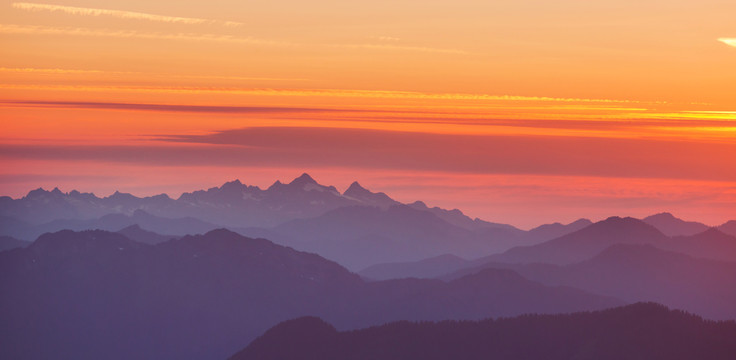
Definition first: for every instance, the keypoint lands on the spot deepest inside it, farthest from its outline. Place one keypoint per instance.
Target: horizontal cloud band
(315, 147)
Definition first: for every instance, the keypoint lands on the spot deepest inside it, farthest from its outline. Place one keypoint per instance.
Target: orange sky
(514, 111)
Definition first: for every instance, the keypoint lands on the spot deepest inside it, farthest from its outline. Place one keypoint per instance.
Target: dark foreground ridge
(638, 331)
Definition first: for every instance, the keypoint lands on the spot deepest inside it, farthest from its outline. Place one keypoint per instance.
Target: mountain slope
(642, 273)
(551, 231)
(8, 243)
(427, 268)
(583, 244)
(669, 225)
(728, 227)
(710, 244)
(115, 222)
(136, 233)
(639, 331)
(361, 236)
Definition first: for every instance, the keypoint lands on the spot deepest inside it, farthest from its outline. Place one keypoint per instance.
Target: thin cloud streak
(401, 48)
(164, 75)
(173, 108)
(72, 10)
(728, 41)
(315, 92)
(46, 30)
(49, 71)
(407, 151)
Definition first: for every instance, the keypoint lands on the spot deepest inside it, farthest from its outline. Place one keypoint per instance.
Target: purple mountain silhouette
(636, 272)
(583, 244)
(672, 226)
(638, 331)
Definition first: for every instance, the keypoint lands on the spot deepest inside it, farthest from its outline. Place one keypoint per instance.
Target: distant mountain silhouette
(669, 225)
(136, 233)
(448, 263)
(360, 236)
(115, 222)
(493, 292)
(643, 272)
(7, 243)
(638, 331)
(427, 268)
(96, 294)
(457, 218)
(10, 226)
(236, 206)
(233, 204)
(550, 231)
(583, 244)
(728, 227)
(366, 197)
(711, 244)
(634, 272)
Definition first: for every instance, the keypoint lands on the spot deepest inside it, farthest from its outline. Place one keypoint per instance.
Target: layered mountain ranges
(97, 294)
(148, 288)
(357, 228)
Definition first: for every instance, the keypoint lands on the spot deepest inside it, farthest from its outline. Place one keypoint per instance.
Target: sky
(523, 112)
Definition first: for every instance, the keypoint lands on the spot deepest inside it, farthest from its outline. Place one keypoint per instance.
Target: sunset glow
(521, 112)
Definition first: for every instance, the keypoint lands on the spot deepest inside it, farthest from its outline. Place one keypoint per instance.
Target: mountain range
(357, 228)
(161, 278)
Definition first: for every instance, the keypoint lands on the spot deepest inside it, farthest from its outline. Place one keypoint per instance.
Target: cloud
(728, 41)
(119, 14)
(402, 48)
(347, 93)
(407, 151)
(49, 71)
(163, 75)
(47, 30)
(171, 108)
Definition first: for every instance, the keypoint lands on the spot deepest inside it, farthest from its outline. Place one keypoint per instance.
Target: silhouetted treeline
(640, 331)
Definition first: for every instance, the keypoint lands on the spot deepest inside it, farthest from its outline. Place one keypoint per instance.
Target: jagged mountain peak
(303, 179)
(36, 193)
(234, 183)
(117, 195)
(355, 188)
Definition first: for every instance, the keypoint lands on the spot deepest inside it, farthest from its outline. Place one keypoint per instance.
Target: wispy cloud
(159, 75)
(728, 41)
(385, 38)
(347, 93)
(72, 31)
(402, 48)
(49, 71)
(72, 10)
(172, 108)
(47, 30)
